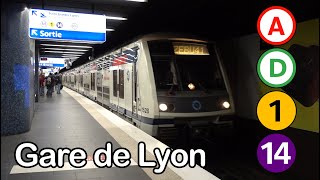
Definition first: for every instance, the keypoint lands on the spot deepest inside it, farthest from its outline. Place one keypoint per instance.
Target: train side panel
(86, 83)
(147, 98)
(106, 87)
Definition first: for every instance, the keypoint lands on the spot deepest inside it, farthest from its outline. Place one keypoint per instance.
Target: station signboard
(51, 62)
(67, 26)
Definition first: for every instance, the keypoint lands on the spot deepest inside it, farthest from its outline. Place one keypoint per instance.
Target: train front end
(191, 83)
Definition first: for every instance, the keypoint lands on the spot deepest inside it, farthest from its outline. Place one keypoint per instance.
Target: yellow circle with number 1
(276, 110)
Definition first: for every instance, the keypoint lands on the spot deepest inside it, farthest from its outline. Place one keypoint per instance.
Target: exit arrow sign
(34, 12)
(34, 32)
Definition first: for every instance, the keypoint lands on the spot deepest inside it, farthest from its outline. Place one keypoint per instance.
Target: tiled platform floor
(61, 121)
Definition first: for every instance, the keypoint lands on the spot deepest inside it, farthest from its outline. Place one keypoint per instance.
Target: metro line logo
(276, 25)
(276, 67)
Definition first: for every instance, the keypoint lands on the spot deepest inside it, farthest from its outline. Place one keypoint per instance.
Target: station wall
(241, 56)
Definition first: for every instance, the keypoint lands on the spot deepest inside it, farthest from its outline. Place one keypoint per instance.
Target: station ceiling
(211, 19)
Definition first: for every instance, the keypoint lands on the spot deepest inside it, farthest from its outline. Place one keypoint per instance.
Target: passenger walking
(41, 84)
(53, 78)
(59, 82)
(49, 84)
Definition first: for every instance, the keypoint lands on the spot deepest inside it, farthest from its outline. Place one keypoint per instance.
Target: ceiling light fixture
(65, 49)
(71, 55)
(109, 29)
(116, 18)
(62, 45)
(141, 1)
(62, 52)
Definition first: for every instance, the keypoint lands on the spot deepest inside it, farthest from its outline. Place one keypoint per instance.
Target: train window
(115, 83)
(184, 63)
(202, 71)
(164, 72)
(93, 81)
(121, 84)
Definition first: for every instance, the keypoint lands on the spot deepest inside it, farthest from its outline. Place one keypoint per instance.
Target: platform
(71, 120)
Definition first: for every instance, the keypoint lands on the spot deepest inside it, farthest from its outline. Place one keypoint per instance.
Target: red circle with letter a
(276, 25)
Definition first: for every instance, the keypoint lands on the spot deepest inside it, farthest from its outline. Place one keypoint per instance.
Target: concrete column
(17, 69)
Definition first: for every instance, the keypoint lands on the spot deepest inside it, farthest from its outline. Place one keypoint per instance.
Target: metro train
(158, 82)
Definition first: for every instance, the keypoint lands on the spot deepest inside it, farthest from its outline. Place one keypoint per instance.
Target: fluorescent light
(66, 49)
(71, 55)
(109, 29)
(138, 0)
(62, 52)
(116, 18)
(62, 45)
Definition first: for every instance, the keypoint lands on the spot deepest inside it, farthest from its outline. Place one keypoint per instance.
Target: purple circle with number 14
(276, 153)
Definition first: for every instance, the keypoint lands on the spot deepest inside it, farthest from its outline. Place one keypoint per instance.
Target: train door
(121, 97)
(99, 86)
(92, 91)
(128, 91)
(81, 83)
(86, 84)
(77, 82)
(136, 105)
(106, 87)
(118, 100)
(114, 88)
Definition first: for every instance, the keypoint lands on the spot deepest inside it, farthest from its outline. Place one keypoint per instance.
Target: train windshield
(184, 66)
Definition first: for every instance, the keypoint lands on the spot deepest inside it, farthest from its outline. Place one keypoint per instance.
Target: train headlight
(226, 104)
(163, 107)
(191, 86)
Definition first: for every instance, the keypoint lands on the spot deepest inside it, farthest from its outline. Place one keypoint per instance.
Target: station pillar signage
(276, 110)
(67, 26)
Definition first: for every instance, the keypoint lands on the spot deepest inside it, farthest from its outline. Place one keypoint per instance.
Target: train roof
(173, 36)
(150, 37)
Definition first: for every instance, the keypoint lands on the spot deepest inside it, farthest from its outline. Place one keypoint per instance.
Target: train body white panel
(147, 97)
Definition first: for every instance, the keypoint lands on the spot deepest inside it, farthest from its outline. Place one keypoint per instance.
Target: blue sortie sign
(66, 35)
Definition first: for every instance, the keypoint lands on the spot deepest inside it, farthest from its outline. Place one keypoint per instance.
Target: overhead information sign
(58, 25)
(51, 62)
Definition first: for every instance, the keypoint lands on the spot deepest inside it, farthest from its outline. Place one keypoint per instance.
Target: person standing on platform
(41, 84)
(54, 82)
(58, 82)
(49, 84)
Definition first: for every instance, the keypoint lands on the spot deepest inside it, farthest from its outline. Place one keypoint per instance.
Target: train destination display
(190, 49)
